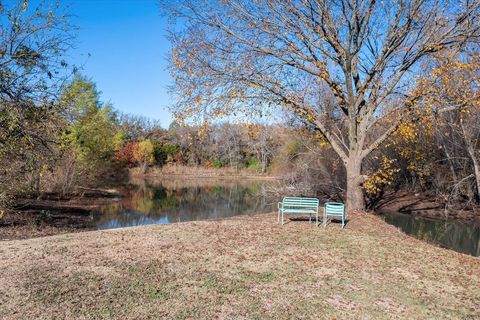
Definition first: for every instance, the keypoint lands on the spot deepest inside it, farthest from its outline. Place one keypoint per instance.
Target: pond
(459, 236)
(180, 200)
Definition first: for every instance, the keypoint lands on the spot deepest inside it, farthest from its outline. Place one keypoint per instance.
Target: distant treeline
(56, 133)
(83, 141)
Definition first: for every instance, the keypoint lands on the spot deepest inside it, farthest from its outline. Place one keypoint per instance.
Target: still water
(459, 236)
(179, 200)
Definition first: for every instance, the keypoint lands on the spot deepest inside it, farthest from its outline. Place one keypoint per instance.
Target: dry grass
(173, 183)
(244, 267)
(170, 171)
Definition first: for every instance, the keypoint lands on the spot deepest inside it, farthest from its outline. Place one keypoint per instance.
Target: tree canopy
(33, 42)
(341, 67)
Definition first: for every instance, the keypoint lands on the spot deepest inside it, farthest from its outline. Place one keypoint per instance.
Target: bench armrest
(279, 205)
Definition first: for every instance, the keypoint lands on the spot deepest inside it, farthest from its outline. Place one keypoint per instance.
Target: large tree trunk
(355, 196)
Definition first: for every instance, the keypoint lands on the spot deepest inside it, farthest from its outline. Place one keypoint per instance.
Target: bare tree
(230, 144)
(138, 127)
(261, 142)
(240, 57)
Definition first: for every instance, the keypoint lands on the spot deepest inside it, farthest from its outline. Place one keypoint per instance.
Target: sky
(122, 47)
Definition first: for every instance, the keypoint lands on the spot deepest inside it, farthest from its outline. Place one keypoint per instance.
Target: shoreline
(53, 214)
(476, 222)
(198, 172)
(149, 176)
(423, 205)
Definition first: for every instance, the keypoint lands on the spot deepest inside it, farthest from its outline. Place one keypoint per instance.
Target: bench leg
(278, 216)
(343, 221)
(310, 219)
(282, 217)
(316, 221)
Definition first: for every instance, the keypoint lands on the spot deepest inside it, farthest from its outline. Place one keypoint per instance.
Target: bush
(217, 164)
(254, 165)
(125, 155)
(165, 153)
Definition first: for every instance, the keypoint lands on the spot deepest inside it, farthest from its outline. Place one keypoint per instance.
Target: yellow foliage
(323, 142)
(143, 153)
(452, 83)
(407, 131)
(381, 178)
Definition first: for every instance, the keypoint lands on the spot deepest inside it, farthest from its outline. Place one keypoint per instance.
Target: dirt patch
(243, 267)
(53, 214)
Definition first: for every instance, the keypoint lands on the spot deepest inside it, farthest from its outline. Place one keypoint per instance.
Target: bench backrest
(300, 202)
(334, 208)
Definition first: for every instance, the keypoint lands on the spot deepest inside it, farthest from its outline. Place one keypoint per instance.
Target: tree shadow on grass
(320, 220)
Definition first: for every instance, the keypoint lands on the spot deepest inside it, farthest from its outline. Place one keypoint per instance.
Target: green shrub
(253, 164)
(165, 153)
(217, 164)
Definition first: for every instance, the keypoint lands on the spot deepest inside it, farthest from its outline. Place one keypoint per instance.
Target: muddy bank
(51, 214)
(425, 205)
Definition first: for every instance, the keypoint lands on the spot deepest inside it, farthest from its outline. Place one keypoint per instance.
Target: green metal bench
(298, 205)
(333, 209)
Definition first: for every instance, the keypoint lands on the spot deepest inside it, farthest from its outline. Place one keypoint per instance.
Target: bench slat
(299, 202)
(334, 210)
(300, 207)
(299, 211)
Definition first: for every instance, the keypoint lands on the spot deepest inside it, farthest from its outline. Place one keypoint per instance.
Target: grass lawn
(242, 268)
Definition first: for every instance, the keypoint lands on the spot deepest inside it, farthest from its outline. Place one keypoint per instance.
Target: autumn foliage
(135, 153)
(125, 155)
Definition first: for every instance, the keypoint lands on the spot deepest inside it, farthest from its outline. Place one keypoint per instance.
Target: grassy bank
(244, 267)
(170, 171)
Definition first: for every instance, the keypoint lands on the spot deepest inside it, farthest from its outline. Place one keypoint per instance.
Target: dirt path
(244, 267)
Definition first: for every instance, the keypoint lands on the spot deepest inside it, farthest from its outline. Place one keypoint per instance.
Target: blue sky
(128, 51)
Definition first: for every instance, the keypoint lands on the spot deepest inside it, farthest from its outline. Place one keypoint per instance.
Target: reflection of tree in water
(153, 203)
(450, 234)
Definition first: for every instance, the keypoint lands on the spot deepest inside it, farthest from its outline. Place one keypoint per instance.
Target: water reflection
(461, 237)
(168, 201)
(177, 200)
